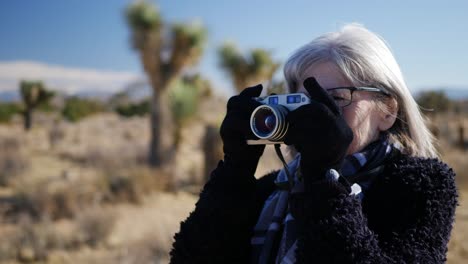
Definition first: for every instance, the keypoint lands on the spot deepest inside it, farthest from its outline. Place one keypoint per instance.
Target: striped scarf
(276, 212)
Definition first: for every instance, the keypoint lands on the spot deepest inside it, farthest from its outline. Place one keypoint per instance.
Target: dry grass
(29, 241)
(13, 160)
(104, 141)
(122, 233)
(54, 199)
(94, 225)
(458, 160)
(456, 155)
(67, 197)
(458, 246)
(144, 251)
(84, 191)
(80, 193)
(132, 184)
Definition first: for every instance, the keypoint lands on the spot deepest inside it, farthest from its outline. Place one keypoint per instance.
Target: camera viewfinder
(273, 100)
(292, 99)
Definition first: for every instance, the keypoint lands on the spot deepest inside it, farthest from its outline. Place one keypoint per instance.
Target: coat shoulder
(421, 174)
(412, 191)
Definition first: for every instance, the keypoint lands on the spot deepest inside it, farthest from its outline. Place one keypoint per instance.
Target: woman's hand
(235, 130)
(319, 132)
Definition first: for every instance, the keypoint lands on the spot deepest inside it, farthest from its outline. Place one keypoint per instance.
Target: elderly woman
(368, 184)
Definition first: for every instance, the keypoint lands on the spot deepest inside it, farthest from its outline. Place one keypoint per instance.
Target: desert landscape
(82, 192)
(109, 127)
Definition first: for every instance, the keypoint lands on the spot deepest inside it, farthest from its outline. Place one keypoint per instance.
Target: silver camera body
(268, 121)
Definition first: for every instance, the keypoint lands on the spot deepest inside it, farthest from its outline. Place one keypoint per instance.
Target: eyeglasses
(343, 96)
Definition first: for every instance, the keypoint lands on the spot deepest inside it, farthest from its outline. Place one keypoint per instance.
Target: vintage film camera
(268, 121)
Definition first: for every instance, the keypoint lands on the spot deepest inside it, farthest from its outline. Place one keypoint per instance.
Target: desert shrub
(13, 161)
(7, 111)
(52, 200)
(56, 134)
(29, 241)
(457, 160)
(121, 157)
(62, 199)
(32, 241)
(122, 188)
(77, 108)
(8, 247)
(134, 109)
(41, 204)
(130, 185)
(147, 250)
(184, 99)
(95, 225)
(434, 100)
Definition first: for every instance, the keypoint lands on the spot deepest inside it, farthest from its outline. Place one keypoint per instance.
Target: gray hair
(365, 60)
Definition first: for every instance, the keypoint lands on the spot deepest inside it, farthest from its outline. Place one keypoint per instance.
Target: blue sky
(429, 38)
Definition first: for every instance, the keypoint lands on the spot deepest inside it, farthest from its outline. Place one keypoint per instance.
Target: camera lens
(265, 121)
(269, 122)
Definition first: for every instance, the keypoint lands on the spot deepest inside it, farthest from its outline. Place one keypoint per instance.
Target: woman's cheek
(355, 118)
(354, 146)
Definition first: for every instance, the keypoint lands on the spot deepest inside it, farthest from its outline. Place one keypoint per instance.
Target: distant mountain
(136, 91)
(9, 96)
(12, 96)
(92, 94)
(457, 94)
(139, 89)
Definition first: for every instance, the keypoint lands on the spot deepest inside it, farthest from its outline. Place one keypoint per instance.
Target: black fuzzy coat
(405, 217)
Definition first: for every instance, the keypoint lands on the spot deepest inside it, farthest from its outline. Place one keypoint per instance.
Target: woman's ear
(388, 114)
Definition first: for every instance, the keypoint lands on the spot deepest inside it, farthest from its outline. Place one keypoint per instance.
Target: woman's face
(363, 115)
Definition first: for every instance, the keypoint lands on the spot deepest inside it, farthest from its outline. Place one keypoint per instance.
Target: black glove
(235, 130)
(319, 132)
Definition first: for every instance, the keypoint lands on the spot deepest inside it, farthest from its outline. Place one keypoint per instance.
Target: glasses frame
(352, 89)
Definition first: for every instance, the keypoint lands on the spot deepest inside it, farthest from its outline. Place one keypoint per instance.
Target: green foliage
(192, 34)
(164, 53)
(142, 15)
(256, 66)
(261, 63)
(231, 59)
(189, 36)
(134, 109)
(434, 100)
(34, 94)
(46, 107)
(183, 100)
(277, 87)
(7, 111)
(185, 42)
(187, 47)
(185, 97)
(77, 108)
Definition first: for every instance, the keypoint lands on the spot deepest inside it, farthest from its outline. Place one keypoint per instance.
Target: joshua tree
(164, 53)
(33, 94)
(245, 70)
(277, 87)
(255, 67)
(185, 98)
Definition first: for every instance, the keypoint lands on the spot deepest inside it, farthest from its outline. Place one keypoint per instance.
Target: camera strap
(285, 165)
